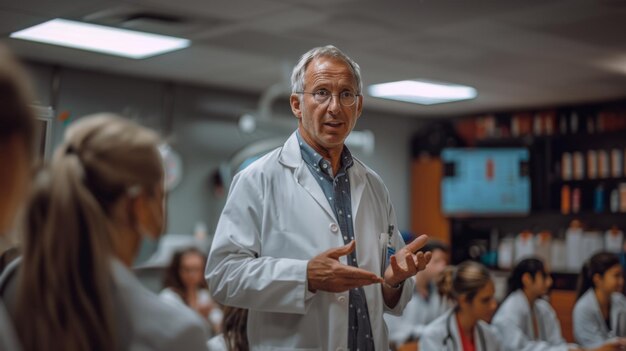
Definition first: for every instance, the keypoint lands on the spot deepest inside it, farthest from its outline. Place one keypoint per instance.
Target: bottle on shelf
(592, 164)
(613, 240)
(566, 166)
(565, 199)
(598, 199)
(603, 164)
(578, 165)
(622, 197)
(614, 201)
(573, 245)
(616, 163)
(576, 200)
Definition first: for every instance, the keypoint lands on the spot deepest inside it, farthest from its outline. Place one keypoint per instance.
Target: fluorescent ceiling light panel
(422, 92)
(108, 40)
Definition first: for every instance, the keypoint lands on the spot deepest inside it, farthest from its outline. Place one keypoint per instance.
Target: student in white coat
(16, 148)
(600, 300)
(307, 230)
(527, 322)
(84, 223)
(465, 328)
(427, 303)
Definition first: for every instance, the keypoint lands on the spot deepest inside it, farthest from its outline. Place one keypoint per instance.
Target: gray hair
(297, 76)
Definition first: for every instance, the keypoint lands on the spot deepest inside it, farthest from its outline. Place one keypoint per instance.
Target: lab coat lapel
(357, 187)
(291, 157)
(311, 186)
(598, 311)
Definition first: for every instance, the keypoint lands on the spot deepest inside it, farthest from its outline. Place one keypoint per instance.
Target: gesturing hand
(325, 272)
(406, 263)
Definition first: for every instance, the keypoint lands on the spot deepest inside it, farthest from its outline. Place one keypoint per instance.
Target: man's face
(326, 125)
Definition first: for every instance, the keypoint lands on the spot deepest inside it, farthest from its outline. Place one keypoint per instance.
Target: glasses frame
(316, 93)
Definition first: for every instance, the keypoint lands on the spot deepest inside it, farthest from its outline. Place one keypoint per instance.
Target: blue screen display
(485, 181)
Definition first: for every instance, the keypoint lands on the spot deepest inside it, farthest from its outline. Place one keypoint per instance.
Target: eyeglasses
(346, 98)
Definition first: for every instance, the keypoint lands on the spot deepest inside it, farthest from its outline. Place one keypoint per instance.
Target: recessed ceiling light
(422, 91)
(108, 40)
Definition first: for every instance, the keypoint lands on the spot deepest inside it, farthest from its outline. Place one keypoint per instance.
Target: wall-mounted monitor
(485, 182)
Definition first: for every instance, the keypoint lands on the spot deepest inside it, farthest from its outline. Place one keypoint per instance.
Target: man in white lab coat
(308, 238)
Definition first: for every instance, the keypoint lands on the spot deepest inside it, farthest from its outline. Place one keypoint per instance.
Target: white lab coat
(515, 326)
(143, 321)
(418, 313)
(215, 316)
(275, 220)
(443, 334)
(590, 330)
(217, 343)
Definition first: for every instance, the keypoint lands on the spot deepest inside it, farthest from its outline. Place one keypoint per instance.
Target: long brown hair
(234, 328)
(172, 278)
(64, 298)
(596, 264)
(17, 123)
(16, 116)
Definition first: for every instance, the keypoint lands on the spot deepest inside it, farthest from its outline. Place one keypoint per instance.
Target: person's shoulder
(437, 328)
(168, 294)
(584, 303)
(489, 331)
(154, 320)
(264, 164)
(618, 298)
(544, 305)
(515, 303)
(257, 173)
(217, 343)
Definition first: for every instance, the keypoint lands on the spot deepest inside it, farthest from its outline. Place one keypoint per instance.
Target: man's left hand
(406, 262)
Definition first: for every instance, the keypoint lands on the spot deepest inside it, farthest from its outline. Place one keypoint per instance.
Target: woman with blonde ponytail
(465, 327)
(87, 216)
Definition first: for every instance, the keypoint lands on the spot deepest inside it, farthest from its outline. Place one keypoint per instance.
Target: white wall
(205, 133)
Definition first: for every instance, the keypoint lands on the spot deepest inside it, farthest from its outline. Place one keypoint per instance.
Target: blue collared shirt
(336, 188)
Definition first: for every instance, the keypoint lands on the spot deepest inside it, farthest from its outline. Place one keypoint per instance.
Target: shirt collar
(314, 159)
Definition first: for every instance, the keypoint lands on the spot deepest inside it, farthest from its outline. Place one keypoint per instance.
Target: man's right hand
(325, 272)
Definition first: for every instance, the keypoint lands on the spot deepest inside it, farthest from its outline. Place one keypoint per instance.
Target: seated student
(600, 300)
(234, 332)
(465, 328)
(86, 219)
(426, 304)
(184, 283)
(16, 146)
(525, 321)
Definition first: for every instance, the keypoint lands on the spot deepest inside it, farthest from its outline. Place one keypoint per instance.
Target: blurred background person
(465, 327)
(17, 128)
(427, 303)
(87, 216)
(600, 300)
(525, 320)
(16, 151)
(233, 336)
(184, 283)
